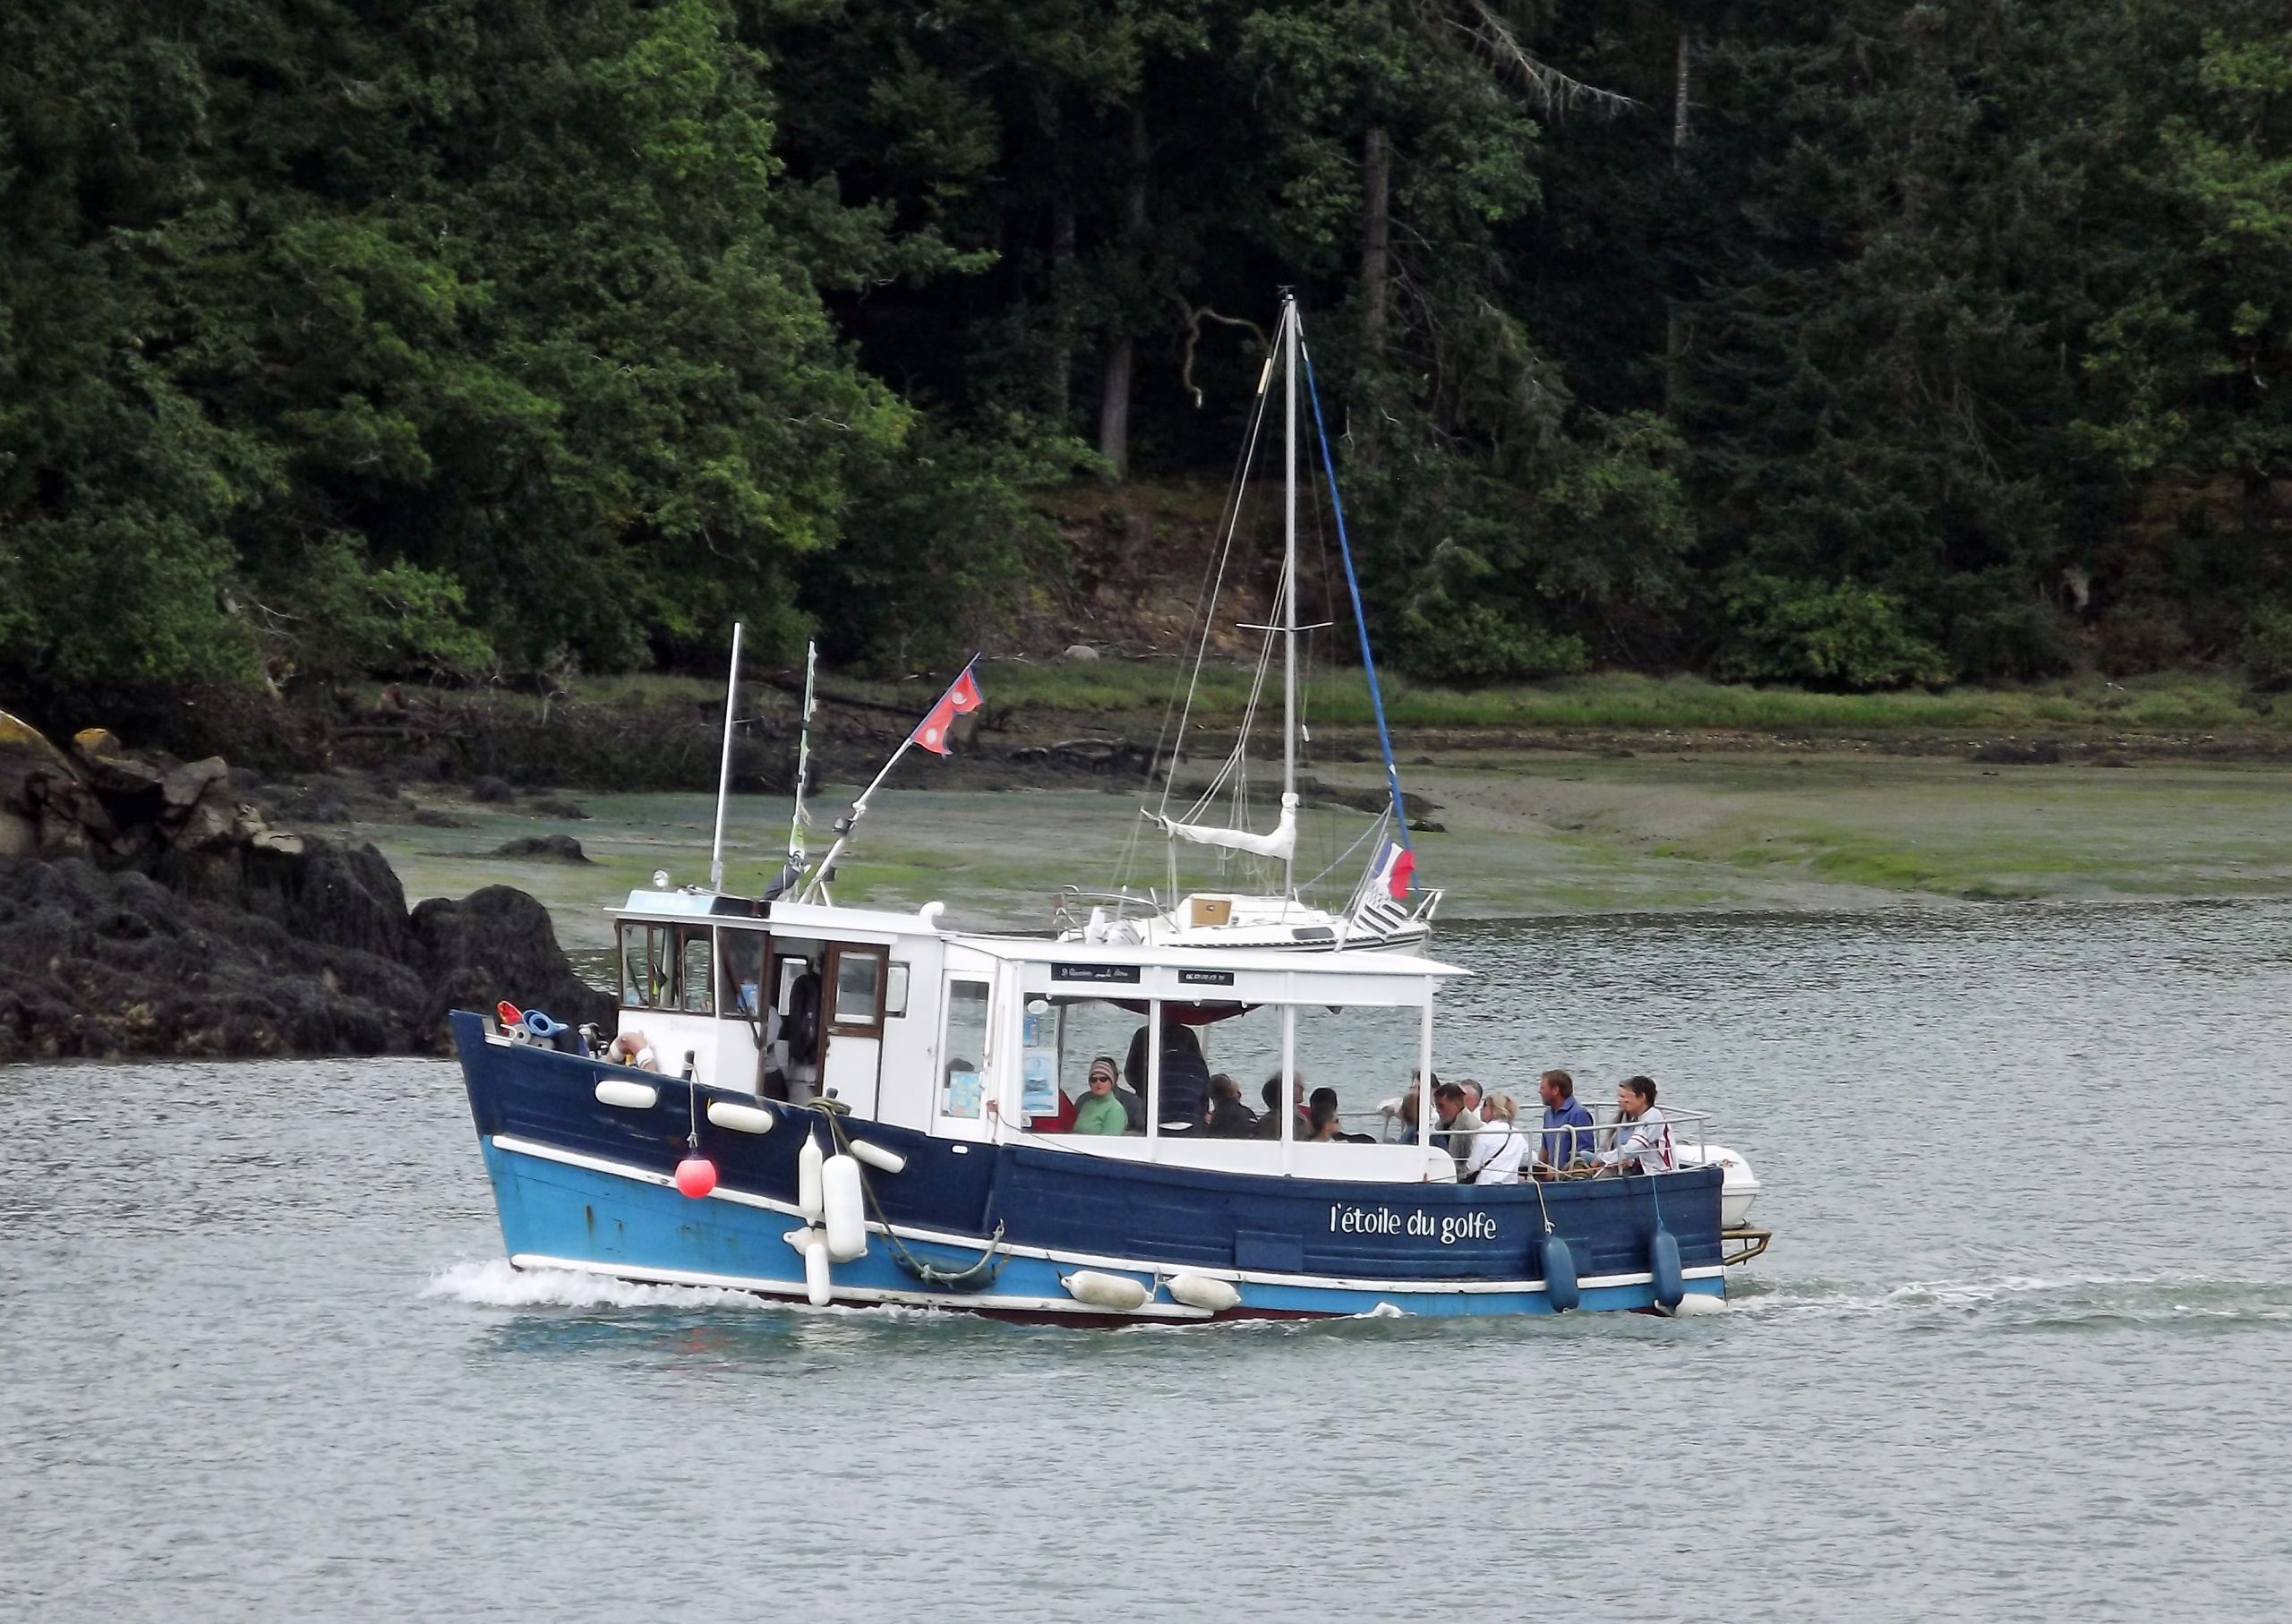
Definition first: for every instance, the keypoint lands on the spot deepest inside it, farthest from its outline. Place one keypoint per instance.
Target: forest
(1863, 345)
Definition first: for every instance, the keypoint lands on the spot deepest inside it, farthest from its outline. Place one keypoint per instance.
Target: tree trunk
(1062, 256)
(1376, 238)
(1675, 325)
(1114, 405)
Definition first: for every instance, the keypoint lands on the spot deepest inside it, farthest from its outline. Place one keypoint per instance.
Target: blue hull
(589, 1187)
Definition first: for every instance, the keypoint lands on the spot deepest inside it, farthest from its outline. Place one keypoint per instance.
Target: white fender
(816, 1284)
(808, 1161)
(628, 1096)
(1104, 1290)
(1201, 1291)
(877, 1157)
(842, 1205)
(739, 1118)
(1694, 1303)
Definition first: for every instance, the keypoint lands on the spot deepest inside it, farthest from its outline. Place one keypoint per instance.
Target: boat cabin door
(851, 1011)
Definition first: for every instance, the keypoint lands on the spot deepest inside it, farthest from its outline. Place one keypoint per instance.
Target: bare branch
(1551, 92)
(1194, 317)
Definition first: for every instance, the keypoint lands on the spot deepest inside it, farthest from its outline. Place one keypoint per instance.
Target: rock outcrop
(144, 911)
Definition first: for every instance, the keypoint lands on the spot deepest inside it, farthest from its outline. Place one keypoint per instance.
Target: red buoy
(696, 1176)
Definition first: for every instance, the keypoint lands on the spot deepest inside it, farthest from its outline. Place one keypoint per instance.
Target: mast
(1289, 575)
(803, 760)
(724, 765)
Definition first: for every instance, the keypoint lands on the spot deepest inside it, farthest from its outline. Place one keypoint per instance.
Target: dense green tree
(1860, 344)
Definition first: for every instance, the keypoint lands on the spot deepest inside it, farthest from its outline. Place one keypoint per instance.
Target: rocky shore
(146, 910)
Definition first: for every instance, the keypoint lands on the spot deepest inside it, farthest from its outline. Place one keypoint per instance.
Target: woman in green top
(1100, 1111)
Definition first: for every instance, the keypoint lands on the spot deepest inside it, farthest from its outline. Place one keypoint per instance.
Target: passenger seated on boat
(1643, 1141)
(1497, 1153)
(1459, 1124)
(1098, 1111)
(1185, 1076)
(1269, 1126)
(1400, 1112)
(1566, 1137)
(1322, 1126)
(1229, 1118)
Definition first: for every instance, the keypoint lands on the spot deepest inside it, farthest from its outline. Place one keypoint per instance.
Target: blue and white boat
(813, 1100)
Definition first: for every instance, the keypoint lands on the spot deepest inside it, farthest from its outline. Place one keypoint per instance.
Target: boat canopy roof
(1085, 963)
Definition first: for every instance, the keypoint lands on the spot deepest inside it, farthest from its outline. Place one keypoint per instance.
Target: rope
(929, 1274)
(1353, 585)
(1548, 1225)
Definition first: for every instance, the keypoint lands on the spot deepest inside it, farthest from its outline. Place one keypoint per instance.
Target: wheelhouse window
(648, 966)
(667, 967)
(696, 977)
(964, 1065)
(857, 978)
(740, 961)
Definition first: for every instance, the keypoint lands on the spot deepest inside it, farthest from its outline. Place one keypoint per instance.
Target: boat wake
(496, 1284)
(2032, 1303)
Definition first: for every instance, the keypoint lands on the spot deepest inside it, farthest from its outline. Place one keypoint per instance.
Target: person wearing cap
(1098, 1111)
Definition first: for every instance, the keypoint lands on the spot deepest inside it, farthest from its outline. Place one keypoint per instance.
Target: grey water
(2022, 1347)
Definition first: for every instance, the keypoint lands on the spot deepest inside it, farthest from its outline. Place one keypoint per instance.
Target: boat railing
(1690, 1129)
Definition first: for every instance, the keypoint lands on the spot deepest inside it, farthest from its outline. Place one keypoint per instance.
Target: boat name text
(1447, 1227)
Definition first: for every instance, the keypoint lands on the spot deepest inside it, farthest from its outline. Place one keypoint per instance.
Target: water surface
(2020, 1349)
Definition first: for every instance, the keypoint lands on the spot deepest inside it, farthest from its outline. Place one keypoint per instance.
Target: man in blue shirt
(1566, 1126)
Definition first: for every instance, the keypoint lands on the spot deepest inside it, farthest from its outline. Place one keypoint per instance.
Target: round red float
(696, 1176)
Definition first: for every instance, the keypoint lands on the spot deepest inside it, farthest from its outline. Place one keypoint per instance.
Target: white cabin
(975, 1037)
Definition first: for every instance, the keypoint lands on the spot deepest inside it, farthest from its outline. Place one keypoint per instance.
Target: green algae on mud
(1536, 833)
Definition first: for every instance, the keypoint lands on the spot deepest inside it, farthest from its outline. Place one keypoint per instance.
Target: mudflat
(1532, 833)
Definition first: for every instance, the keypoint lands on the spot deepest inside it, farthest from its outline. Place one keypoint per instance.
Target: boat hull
(1003, 1229)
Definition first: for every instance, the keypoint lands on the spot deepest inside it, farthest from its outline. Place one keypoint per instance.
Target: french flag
(960, 699)
(1394, 866)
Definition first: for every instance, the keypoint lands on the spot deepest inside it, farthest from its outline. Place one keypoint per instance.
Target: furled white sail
(1279, 844)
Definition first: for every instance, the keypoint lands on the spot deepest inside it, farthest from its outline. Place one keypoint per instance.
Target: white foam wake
(494, 1284)
(2072, 1294)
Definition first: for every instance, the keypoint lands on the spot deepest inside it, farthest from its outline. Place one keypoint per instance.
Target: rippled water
(2022, 1348)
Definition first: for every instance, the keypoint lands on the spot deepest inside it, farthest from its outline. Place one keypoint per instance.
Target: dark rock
(319, 803)
(431, 817)
(557, 806)
(95, 964)
(548, 848)
(1426, 825)
(498, 944)
(491, 791)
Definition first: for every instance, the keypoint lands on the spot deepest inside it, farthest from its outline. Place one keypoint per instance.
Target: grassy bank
(1129, 691)
(1623, 701)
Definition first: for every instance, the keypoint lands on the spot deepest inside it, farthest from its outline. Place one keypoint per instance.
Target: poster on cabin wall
(1038, 1065)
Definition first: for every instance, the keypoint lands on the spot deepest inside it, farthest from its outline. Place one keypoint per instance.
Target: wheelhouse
(989, 1038)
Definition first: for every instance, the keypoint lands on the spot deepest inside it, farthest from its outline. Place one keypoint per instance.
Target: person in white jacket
(1499, 1148)
(1643, 1139)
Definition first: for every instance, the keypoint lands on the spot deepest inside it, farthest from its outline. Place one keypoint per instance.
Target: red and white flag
(960, 699)
(1396, 864)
